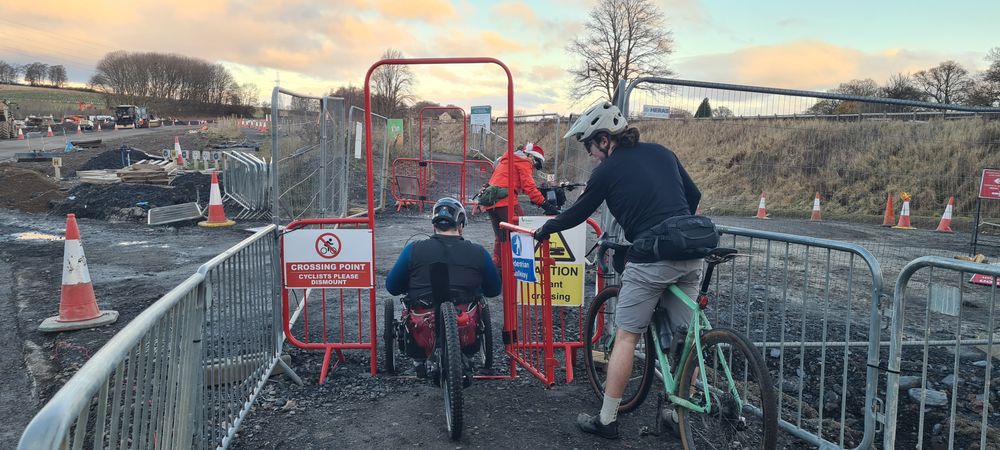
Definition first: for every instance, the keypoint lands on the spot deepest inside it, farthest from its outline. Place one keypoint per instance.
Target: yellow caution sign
(567, 274)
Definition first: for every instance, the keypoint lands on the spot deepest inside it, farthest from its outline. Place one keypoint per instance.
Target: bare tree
(34, 73)
(626, 39)
(986, 91)
(8, 72)
(57, 75)
(722, 112)
(391, 85)
(901, 86)
(860, 87)
(947, 82)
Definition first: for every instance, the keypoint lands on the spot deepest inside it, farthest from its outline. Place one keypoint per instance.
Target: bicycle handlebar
(603, 245)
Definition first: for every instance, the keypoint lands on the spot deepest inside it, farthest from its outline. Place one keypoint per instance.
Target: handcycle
(717, 392)
(442, 334)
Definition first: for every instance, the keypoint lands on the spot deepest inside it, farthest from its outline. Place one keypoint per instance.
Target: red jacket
(522, 183)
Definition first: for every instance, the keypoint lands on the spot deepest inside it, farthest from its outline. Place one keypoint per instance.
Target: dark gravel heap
(112, 159)
(123, 201)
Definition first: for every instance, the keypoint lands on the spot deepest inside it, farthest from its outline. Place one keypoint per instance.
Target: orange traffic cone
(816, 213)
(762, 207)
(49, 133)
(177, 150)
(77, 303)
(945, 225)
(890, 216)
(697, 211)
(78, 129)
(20, 135)
(216, 213)
(904, 213)
(98, 127)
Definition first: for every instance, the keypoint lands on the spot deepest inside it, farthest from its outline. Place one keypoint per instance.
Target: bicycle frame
(692, 340)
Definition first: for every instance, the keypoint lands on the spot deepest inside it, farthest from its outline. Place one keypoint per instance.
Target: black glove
(550, 208)
(541, 235)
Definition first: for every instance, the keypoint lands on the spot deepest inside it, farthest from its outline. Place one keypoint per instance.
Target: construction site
(868, 289)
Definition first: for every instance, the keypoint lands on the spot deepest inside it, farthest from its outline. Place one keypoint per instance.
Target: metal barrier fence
(308, 155)
(416, 181)
(790, 144)
(941, 359)
(182, 374)
(539, 135)
(380, 160)
(247, 182)
(811, 306)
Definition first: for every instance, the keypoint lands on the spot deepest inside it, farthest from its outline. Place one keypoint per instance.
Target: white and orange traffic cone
(78, 129)
(177, 151)
(98, 127)
(945, 225)
(20, 134)
(904, 214)
(77, 303)
(816, 215)
(49, 133)
(216, 212)
(762, 207)
(697, 211)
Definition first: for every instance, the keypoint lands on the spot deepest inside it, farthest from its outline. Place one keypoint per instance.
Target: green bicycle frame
(692, 340)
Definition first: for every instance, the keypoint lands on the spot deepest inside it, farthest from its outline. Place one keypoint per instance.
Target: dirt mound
(113, 159)
(124, 202)
(27, 190)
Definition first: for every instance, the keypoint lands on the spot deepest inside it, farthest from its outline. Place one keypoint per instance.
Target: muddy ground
(132, 265)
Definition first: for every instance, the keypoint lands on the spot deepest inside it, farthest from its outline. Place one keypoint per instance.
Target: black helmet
(448, 211)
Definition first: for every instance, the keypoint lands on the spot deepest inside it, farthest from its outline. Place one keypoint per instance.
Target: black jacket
(642, 186)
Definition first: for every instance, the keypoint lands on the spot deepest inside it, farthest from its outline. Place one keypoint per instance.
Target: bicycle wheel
(389, 334)
(486, 339)
(597, 353)
(726, 424)
(450, 362)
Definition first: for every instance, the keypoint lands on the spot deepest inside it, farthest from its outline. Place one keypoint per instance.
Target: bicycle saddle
(720, 255)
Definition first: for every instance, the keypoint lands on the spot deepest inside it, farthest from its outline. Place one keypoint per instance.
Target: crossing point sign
(315, 258)
(567, 274)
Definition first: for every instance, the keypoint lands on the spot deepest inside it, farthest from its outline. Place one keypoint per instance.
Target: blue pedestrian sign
(522, 247)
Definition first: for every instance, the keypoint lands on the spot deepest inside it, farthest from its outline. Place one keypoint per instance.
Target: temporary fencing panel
(380, 162)
(811, 306)
(542, 129)
(941, 389)
(427, 181)
(182, 374)
(739, 141)
(309, 155)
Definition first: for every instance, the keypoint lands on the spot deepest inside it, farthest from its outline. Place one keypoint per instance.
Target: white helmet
(602, 117)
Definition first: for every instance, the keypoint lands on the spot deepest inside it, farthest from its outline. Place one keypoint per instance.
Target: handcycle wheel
(389, 334)
(597, 352)
(726, 424)
(486, 340)
(450, 362)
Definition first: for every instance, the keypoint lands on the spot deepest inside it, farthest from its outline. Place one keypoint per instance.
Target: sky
(314, 46)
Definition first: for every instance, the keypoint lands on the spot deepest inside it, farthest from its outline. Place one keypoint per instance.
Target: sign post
(395, 131)
(328, 258)
(480, 116)
(56, 165)
(522, 247)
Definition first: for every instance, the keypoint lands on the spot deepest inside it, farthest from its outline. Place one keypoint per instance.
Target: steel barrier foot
(291, 373)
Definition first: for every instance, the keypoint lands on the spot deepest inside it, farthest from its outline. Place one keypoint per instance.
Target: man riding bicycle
(471, 272)
(643, 184)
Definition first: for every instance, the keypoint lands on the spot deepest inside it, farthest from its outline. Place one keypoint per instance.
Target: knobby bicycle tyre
(389, 334)
(486, 344)
(639, 383)
(726, 425)
(450, 361)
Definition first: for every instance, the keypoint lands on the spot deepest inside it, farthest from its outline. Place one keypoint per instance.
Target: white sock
(609, 410)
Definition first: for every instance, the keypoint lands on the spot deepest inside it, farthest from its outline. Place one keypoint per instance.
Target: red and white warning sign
(989, 186)
(328, 259)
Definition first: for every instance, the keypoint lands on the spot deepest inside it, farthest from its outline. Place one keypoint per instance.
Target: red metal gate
(416, 181)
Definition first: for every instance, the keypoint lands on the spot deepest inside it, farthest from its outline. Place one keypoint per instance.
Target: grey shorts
(645, 285)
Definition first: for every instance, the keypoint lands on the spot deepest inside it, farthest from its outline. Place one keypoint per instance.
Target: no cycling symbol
(328, 245)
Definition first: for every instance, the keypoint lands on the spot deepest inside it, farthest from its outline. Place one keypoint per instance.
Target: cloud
(808, 64)
(517, 12)
(430, 11)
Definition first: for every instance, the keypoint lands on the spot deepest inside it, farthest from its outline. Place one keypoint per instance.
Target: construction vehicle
(7, 129)
(131, 115)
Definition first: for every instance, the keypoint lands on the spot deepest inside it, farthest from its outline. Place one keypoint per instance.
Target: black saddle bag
(678, 238)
